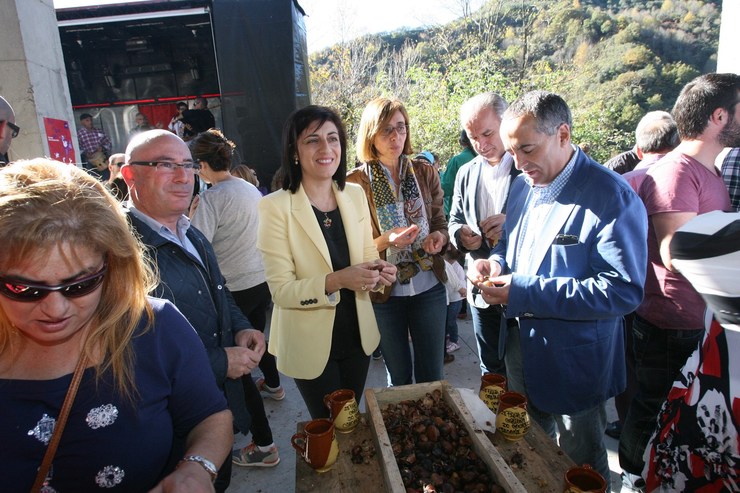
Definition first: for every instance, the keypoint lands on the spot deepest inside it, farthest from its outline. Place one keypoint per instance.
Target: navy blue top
(108, 442)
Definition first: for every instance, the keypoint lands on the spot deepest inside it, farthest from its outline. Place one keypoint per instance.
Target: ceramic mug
(343, 409)
(317, 444)
(512, 419)
(583, 479)
(492, 385)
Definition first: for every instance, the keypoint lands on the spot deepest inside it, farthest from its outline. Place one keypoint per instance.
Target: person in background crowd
(142, 125)
(73, 300)
(429, 158)
(569, 265)
(176, 125)
(320, 262)
(656, 135)
(453, 165)
(227, 216)
(246, 173)
(160, 173)
(409, 231)
(694, 446)
(456, 290)
(116, 184)
(479, 211)
(8, 129)
(668, 323)
(731, 175)
(623, 162)
(197, 120)
(95, 147)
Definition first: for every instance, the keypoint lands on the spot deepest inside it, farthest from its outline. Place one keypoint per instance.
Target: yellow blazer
(296, 262)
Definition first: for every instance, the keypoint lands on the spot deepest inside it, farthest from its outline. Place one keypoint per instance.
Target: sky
(332, 21)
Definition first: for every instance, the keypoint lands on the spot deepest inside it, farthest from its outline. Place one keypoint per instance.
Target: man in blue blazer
(574, 254)
(478, 212)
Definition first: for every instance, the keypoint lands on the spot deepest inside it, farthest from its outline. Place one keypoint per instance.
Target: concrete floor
(285, 414)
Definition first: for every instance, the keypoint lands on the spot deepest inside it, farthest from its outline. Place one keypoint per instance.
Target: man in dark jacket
(160, 172)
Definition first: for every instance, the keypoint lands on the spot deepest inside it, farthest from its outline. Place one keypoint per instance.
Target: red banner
(60, 140)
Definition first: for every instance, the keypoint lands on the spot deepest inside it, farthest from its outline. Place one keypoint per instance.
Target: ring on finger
(364, 288)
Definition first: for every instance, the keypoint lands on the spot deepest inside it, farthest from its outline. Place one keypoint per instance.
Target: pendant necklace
(327, 220)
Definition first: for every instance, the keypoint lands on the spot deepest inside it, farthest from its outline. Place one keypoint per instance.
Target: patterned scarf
(402, 211)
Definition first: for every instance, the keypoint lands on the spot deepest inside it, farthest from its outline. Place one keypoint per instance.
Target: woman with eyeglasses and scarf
(410, 232)
(147, 414)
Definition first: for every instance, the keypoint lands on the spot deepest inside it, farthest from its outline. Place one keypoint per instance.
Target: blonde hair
(45, 203)
(375, 118)
(245, 173)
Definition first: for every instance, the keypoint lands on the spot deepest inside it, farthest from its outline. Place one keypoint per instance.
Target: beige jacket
(296, 262)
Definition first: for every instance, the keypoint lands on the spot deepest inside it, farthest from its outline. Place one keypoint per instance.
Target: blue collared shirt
(536, 210)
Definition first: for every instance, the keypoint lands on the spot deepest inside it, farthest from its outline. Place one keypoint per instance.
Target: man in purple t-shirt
(668, 324)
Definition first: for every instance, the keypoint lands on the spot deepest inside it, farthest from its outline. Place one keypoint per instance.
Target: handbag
(59, 426)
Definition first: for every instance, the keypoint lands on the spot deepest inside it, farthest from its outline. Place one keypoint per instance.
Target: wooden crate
(377, 399)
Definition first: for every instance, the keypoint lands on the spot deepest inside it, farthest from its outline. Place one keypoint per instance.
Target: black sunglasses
(15, 128)
(22, 291)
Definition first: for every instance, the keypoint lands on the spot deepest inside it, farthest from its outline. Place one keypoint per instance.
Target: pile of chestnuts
(433, 450)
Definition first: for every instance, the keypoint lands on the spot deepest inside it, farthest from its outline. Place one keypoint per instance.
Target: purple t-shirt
(677, 183)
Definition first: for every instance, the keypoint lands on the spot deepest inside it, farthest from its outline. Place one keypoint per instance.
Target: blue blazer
(589, 261)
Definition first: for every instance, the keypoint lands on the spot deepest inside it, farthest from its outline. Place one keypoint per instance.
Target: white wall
(728, 58)
(32, 74)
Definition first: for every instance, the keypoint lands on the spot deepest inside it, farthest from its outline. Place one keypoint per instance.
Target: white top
(227, 216)
(456, 280)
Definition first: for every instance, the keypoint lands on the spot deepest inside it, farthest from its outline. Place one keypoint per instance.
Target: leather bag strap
(59, 426)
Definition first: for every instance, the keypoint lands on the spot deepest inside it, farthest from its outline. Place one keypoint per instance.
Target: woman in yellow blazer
(320, 262)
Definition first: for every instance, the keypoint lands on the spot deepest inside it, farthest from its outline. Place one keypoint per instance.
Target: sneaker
(452, 347)
(276, 394)
(632, 482)
(252, 456)
(614, 429)
(449, 358)
(377, 354)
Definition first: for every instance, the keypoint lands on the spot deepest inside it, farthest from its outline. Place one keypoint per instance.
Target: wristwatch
(207, 465)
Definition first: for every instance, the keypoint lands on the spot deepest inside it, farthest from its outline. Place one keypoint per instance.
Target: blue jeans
(487, 327)
(453, 309)
(423, 317)
(581, 433)
(659, 356)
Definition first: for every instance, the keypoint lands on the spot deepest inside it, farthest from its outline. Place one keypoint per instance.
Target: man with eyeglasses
(160, 172)
(8, 129)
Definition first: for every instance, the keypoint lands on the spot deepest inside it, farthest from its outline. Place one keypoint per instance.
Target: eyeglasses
(26, 292)
(401, 129)
(15, 128)
(170, 167)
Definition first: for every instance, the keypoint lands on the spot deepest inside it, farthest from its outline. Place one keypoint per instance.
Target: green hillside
(612, 60)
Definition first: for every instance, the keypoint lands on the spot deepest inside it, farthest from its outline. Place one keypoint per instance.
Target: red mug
(584, 480)
(317, 444)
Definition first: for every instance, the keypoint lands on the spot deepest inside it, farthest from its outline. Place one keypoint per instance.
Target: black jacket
(201, 295)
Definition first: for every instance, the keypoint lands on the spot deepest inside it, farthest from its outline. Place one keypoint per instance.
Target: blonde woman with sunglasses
(147, 414)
